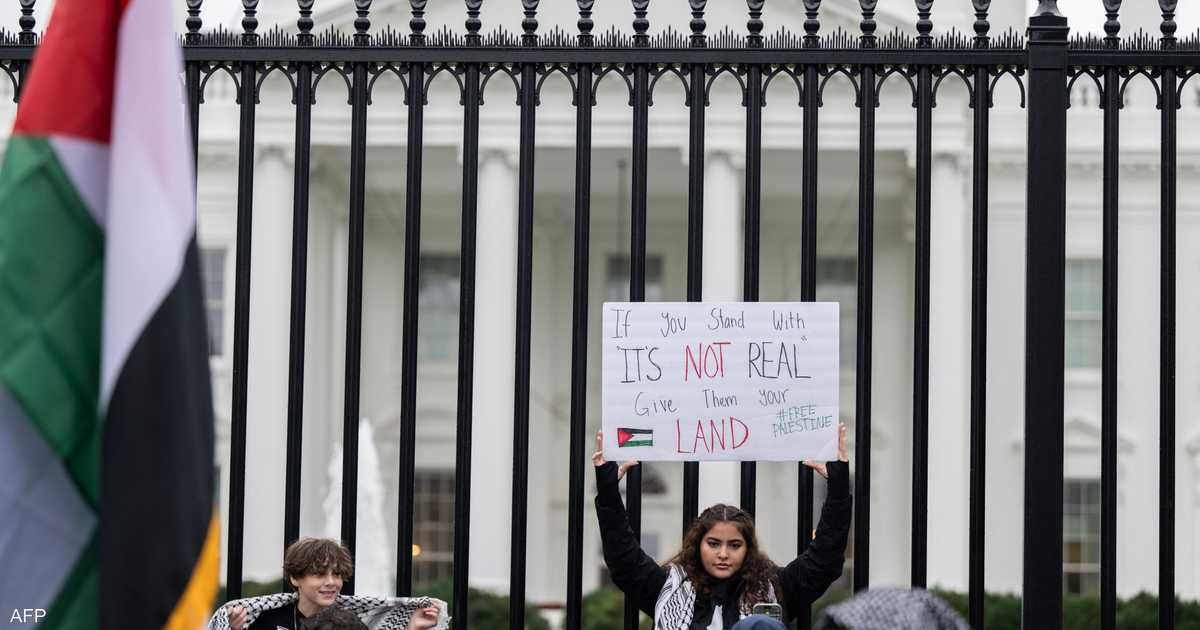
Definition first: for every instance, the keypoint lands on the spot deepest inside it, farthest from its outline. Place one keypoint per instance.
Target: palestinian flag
(635, 437)
(106, 445)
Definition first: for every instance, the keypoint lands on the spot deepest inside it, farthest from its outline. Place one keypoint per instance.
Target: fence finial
(417, 24)
(755, 24)
(530, 23)
(867, 39)
(812, 24)
(982, 26)
(27, 23)
(1047, 7)
(640, 23)
(924, 24)
(249, 22)
(193, 22)
(697, 24)
(305, 22)
(1112, 26)
(1168, 23)
(473, 23)
(585, 21)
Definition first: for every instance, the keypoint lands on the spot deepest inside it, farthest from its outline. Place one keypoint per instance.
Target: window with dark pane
(1081, 536)
(437, 330)
(1085, 286)
(837, 281)
(212, 272)
(433, 526)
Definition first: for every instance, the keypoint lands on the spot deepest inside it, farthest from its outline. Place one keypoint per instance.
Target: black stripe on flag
(157, 466)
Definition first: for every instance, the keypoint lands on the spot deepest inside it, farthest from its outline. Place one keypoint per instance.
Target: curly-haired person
(721, 572)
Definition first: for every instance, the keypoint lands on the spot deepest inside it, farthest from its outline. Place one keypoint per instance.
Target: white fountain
(375, 555)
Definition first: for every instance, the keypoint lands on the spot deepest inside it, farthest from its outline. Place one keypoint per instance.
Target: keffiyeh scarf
(379, 613)
(677, 602)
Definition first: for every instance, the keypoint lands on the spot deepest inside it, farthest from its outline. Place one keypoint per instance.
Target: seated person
(334, 618)
(316, 569)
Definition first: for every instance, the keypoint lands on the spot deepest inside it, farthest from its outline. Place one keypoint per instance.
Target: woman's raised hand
(843, 454)
(598, 457)
(237, 617)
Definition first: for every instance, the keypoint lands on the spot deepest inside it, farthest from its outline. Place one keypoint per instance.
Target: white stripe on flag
(86, 163)
(151, 209)
(46, 523)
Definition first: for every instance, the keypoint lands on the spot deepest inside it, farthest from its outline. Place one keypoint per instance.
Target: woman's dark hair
(757, 571)
(315, 556)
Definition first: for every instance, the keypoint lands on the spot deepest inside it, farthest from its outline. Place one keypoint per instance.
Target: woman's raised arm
(631, 569)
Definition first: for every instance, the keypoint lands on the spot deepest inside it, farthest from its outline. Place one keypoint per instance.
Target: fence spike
(812, 23)
(249, 22)
(697, 24)
(868, 25)
(473, 23)
(924, 24)
(417, 24)
(305, 22)
(640, 23)
(1168, 24)
(585, 22)
(530, 24)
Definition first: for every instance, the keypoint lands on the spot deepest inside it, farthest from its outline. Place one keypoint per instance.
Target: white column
(495, 346)
(266, 403)
(949, 373)
(722, 268)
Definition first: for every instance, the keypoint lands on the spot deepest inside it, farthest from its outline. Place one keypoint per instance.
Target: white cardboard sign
(740, 381)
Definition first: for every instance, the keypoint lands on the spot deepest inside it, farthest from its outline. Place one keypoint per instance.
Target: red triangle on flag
(623, 436)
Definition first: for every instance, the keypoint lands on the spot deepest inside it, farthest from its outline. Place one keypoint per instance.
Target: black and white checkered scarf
(379, 613)
(677, 602)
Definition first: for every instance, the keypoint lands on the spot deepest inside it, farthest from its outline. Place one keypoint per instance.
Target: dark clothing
(798, 584)
(287, 617)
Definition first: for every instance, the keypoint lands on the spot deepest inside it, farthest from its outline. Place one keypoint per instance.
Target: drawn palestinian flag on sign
(634, 437)
(106, 430)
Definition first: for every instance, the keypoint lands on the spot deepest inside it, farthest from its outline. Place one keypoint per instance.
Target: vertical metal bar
(808, 283)
(466, 341)
(358, 177)
(695, 253)
(637, 273)
(579, 342)
(520, 491)
(866, 279)
(920, 436)
(1044, 320)
(247, 96)
(979, 282)
(408, 366)
(295, 421)
(1108, 382)
(1166, 392)
(751, 260)
(26, 37)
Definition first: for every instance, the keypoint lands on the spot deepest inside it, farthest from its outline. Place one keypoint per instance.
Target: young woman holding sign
(721, 572)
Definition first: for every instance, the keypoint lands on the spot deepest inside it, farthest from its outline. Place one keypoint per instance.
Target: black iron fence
(1045, 67)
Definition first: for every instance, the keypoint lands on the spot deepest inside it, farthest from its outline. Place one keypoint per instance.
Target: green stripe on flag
(51, 281)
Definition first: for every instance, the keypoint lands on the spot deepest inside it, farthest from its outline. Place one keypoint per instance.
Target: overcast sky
(1086, 15)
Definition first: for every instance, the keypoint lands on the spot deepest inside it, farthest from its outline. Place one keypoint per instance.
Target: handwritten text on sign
(720, 381)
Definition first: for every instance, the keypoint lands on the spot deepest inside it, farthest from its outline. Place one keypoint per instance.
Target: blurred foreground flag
(106, 445)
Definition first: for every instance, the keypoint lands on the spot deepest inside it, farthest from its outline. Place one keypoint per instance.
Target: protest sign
(689, 381)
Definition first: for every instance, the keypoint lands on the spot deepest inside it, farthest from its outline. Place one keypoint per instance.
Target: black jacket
(799, 583)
